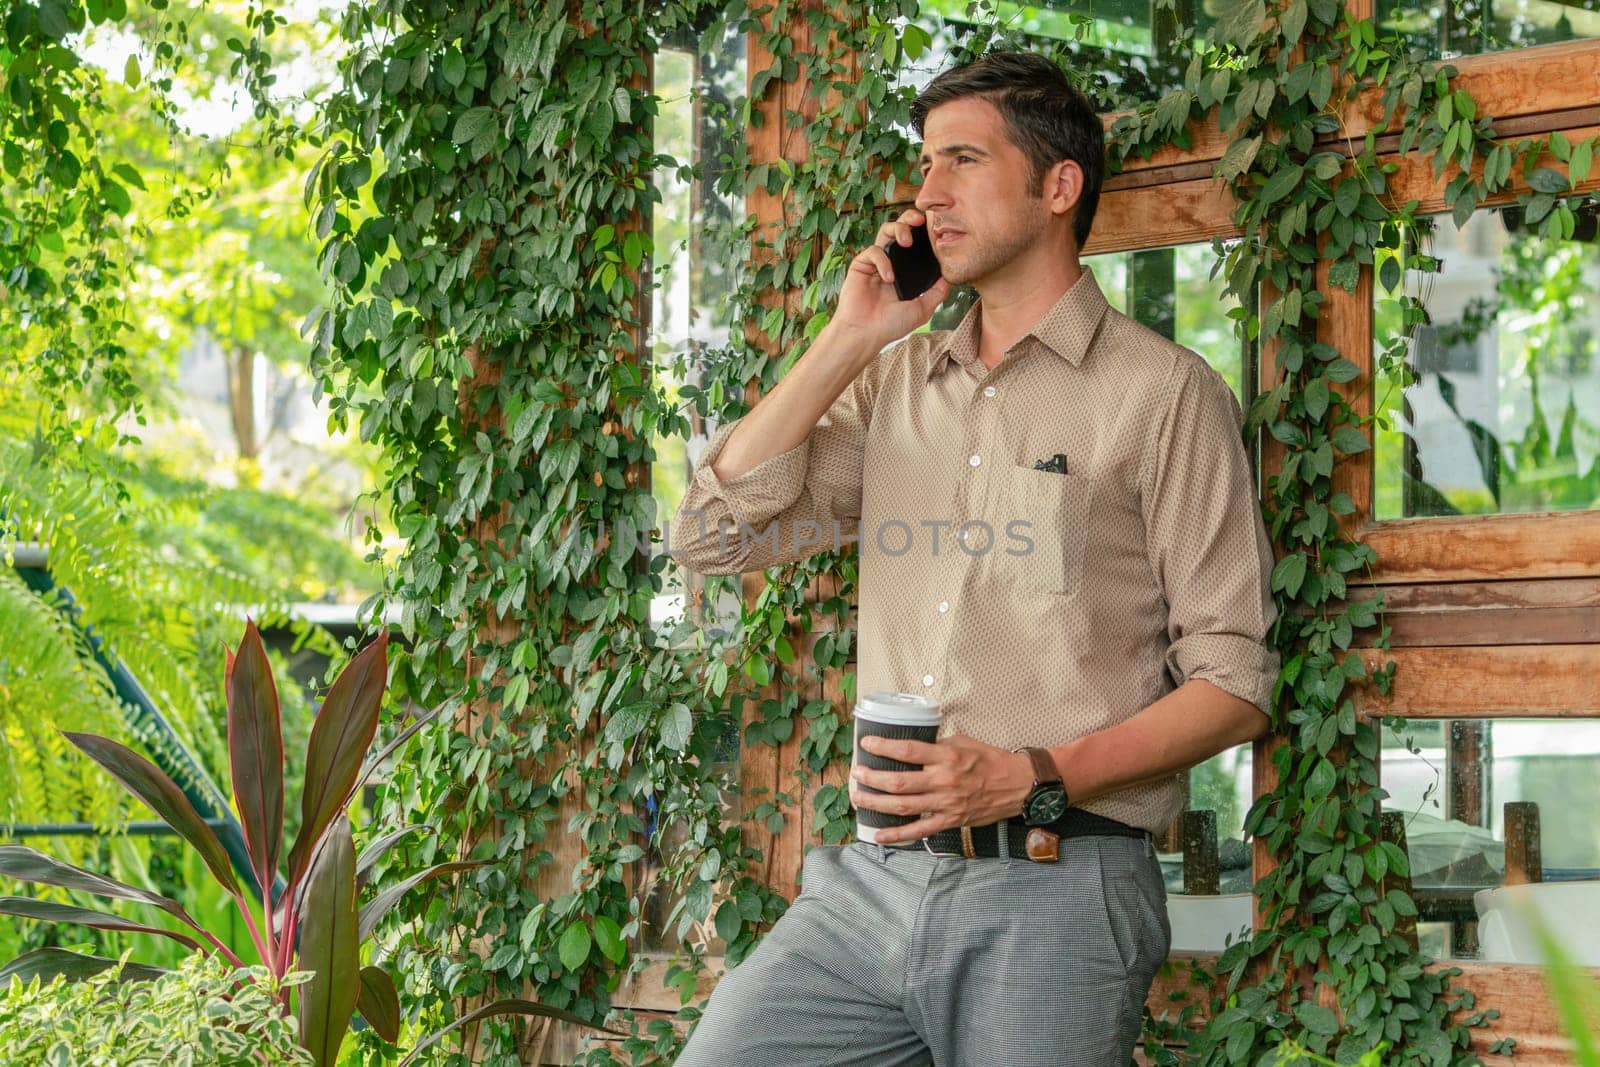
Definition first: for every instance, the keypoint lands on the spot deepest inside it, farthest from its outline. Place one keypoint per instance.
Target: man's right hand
(868, 303)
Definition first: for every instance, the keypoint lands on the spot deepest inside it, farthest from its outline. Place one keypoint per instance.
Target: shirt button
(944, 606)
(973, 460)
(988, 390)
(927, 679)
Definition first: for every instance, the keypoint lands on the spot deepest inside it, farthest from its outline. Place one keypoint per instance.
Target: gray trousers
(894, 957)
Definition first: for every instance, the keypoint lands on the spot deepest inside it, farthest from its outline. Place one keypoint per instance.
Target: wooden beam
(1482, 682)
(1522, 997)
(1517, 85)
(1495, 612)
(1555, 544)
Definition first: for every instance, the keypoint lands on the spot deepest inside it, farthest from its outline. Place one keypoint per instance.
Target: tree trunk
(241, 364)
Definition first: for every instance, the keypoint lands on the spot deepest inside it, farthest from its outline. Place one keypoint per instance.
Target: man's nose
(931, 194)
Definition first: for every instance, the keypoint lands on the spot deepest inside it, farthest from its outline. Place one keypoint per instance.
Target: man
(1083, 526)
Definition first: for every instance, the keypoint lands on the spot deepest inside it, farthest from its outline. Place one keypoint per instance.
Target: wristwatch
(1047, 800)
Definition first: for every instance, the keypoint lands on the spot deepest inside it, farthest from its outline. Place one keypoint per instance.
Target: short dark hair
(1044, 115)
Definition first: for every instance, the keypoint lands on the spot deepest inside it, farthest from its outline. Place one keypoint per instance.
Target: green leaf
(1582, 160)
(1341, 370)
(1237, 159)
(116, 197)
(627, 721)
(379, 1004)
(1239, 21)
(1316, 1018)
(1350, 440)
(46, 963)
(676, 726)
(255, 753)
(27, 865)
(375, 909)
(128, 175)
(1316, 398)
(54, 21)
(130, 71)
(51, 912)
(473, 124)
(454, 69)
(1389, 274)
(330, 948)
(1546, 180)
(1281, 184)
(1320, 783)
(574, 946)
(340, 737)
(1347, 195)
(608, 935)
(1293, 21)
(1289, 572)
(145, 781)
(376, 850)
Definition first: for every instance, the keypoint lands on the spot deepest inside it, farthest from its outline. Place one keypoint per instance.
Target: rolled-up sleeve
(789, 506)
(1207, 544)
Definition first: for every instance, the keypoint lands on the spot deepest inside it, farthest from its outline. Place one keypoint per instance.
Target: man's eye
(965, 159)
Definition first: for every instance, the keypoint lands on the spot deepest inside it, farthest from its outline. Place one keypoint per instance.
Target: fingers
(874, 259)
(904, 749)
(891, 803)
(890, 835)
(894, 781)
(900, 229)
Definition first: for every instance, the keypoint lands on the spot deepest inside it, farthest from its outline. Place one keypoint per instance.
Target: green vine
(484, 174)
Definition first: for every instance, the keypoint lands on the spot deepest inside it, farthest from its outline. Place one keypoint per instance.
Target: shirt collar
(1067, 329)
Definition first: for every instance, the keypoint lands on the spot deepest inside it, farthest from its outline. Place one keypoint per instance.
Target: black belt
(1074, 822)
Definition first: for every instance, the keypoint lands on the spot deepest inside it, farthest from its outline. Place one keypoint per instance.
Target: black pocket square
(1056, 464)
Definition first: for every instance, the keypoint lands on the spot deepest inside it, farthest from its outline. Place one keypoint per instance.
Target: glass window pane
(1171, 290)
(1206, 858)
(1125, 51)
(1504, 413)
(1476, 795)
(1445, 29)
(696, 258)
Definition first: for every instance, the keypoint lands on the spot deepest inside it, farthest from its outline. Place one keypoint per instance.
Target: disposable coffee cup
(898, 715)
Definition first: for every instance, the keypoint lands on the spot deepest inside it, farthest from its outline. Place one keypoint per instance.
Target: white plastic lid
(900, 709)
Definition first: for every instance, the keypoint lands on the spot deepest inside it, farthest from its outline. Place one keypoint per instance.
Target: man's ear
(1063, 185)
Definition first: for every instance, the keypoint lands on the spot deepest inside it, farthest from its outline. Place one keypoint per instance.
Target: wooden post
(1393, 830)
(1524, 862)
(1200, 877)
(1468, 743)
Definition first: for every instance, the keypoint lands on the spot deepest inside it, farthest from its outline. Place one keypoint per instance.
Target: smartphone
(916, 268)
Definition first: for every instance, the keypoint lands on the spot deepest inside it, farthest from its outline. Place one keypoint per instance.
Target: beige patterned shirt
(1036, 606)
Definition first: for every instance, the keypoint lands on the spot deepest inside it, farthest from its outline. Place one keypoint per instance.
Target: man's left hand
(962, 783)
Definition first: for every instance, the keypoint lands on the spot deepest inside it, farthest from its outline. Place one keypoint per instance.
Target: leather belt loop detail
(967, 849)
(1043, 846)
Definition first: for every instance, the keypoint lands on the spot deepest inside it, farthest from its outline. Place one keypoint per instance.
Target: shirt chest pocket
(1051, 511)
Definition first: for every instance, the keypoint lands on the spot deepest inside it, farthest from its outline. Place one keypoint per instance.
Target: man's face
(982, 213)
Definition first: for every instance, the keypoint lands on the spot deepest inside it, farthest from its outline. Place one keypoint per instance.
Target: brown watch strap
(1044, 768)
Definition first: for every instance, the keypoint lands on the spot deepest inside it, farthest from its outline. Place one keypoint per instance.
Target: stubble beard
(976, 256)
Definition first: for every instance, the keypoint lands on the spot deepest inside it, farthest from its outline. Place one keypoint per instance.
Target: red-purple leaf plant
(315, 924)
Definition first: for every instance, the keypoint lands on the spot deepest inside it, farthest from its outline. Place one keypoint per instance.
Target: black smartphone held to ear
(916, 268)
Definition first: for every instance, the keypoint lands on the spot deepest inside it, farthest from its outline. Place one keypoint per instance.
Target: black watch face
(1045, 804)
